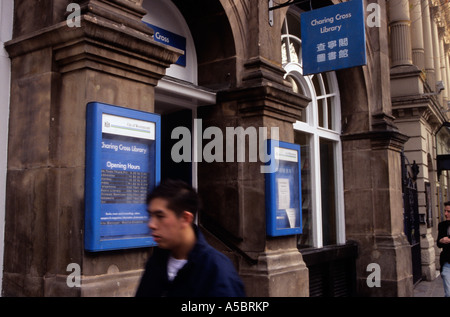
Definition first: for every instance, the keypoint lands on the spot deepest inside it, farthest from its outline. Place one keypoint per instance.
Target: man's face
(447, 212)
(165, 225)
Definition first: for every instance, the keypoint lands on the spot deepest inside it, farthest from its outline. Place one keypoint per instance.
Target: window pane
(328, 192)
(321, 113)
(294, 24)
(305, 240)
(290, 50)
(297, 88)
(285, 58)
(325, 82)
(315, 81)
(330, 113)
(331, 89)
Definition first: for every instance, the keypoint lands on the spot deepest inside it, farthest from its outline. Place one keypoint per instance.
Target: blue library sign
(333, 37)
(122, 166)
(166, 37)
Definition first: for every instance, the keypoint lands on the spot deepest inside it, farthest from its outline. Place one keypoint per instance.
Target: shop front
(219, 79)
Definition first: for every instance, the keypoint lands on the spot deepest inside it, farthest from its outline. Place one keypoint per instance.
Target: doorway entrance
(169, 168)
(177, 95)
(411, 218)
(177, 102)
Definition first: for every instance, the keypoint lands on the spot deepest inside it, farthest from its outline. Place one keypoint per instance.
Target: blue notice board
(122, 165)
(333, 37)
(283, 190)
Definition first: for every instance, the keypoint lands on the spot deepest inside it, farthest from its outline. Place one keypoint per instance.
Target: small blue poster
(283, 190)
(122, 167)
(333, 37)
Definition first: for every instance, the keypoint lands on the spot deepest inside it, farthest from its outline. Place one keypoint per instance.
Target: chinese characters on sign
(333, 37)
(327, 51)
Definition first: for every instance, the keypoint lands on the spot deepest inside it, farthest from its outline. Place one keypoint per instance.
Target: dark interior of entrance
(169, 168)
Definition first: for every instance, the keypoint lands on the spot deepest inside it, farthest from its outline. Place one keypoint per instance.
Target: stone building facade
(420, 90)
(243, 69)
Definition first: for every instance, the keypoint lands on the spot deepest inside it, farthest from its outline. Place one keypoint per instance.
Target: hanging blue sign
(171, 39)
(333, 37)
(122, 166)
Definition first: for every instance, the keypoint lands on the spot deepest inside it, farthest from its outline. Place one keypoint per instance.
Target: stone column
(436, 51)
(375, 178)
(443, 58)
(236, 194)
(417, 43)
(6, 28)
(400, 26)
(56, 71)
(405, 76)
(447, 72)
(371, 157)
(420, 114)
(428, 44)
(268, 266)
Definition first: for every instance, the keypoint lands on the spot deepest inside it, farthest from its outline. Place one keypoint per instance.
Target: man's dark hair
(447, 203)
(179, 195)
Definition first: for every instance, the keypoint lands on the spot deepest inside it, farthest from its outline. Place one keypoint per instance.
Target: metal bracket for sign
(288, 3)
(270, 12)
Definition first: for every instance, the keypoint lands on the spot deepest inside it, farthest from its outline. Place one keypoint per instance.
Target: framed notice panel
(122, 166)
(283, 190)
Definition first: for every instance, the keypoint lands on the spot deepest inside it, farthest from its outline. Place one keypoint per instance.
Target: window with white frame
(318, 133)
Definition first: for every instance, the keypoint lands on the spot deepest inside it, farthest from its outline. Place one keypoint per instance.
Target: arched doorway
(177, 95)
(214, 42)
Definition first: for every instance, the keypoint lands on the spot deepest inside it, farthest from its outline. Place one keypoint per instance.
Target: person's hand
(445, 240)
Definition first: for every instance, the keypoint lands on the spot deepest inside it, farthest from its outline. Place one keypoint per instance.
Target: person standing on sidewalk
(443, 241)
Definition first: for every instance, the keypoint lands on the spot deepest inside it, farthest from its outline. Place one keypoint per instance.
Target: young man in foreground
(183, 264)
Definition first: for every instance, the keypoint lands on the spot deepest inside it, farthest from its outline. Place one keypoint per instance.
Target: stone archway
(214, 42)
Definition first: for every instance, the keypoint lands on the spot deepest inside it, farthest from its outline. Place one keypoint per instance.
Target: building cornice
(420, 107)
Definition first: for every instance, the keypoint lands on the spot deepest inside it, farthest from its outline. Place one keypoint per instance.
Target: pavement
(430, 288)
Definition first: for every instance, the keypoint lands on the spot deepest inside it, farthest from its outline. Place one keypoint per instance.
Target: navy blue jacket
(443, 232)
(208, 273)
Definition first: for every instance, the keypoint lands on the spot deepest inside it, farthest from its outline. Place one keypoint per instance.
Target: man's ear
(188, 217)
